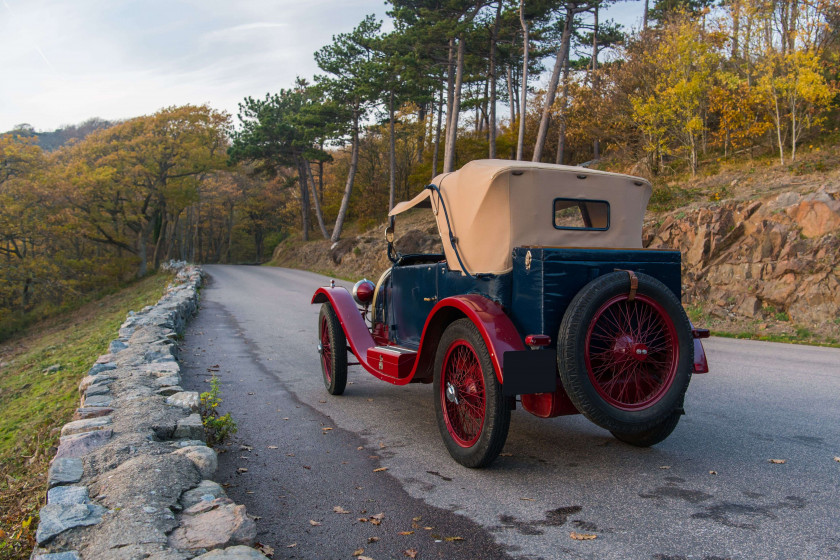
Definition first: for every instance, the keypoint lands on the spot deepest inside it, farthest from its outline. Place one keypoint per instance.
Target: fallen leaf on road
(777, 461)
(380, 469)
(452, 539)
(373, 539)
(250, 393)
(365, 558)
(712, 472)
(326, 429)
(362, 520)
(249, 492)
(339, 509)
(286, 418)
(359, 448)
(665, 467)
(418, 518)
(314, 523)
(322, 402)
(582, 536)
(428, 528)
(381, 446)
(241, 470)
(273, 447)
(505, 454)
(245, 448)
(294, 544)
(837, 459)
(358, 552)
(406, 532)
(411, 552)
(527, 499)
(379, 516)
(265, 549)
(307, 467)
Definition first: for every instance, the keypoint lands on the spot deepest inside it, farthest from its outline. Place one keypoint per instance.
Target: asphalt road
(708, 492)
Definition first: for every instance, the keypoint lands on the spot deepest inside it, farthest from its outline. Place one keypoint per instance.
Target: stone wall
(131, 478)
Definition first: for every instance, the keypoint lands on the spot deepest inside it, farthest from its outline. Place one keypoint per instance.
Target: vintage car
(543, 296)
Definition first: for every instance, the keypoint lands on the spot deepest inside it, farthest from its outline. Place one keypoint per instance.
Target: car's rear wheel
(473, 416)
(332, 346)
(625, 356)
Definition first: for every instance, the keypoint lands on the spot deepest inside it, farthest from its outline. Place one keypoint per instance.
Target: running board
(392, 361)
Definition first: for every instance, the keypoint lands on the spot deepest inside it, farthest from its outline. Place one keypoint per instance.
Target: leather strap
(634, 283)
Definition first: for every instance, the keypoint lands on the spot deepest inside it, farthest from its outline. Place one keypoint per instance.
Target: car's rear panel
(545, 282)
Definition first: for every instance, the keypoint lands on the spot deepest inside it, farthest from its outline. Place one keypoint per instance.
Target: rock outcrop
(760, 258)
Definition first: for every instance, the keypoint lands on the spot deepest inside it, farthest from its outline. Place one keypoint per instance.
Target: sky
(65, 61)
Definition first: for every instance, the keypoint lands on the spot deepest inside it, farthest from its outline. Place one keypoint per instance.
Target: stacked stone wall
(131, 477)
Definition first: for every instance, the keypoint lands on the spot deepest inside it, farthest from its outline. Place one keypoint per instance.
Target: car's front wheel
(332, 345)
(472, 414)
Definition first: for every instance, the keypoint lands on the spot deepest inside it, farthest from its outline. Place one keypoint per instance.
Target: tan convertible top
(496, 205)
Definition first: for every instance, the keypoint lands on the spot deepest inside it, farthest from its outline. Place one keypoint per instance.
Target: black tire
(332, 346)
(653, 435)
(624, 363)
(472, 414)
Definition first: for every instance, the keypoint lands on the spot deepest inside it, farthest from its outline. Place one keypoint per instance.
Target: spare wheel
(625, 354)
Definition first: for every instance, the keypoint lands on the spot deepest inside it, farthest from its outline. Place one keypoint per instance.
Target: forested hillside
(698, 84)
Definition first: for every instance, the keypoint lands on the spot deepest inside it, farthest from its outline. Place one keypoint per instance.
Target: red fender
(356, 331)
(496, 328)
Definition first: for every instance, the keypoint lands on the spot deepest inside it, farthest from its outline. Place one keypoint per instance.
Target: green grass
(35, 405)
(802, 336)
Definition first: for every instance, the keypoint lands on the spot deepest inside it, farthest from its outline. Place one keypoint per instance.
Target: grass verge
(36, 404)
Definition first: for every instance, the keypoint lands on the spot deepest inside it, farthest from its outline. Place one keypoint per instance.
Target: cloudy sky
(64, 61)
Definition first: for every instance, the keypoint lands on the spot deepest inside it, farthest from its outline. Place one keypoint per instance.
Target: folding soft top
(496, 205)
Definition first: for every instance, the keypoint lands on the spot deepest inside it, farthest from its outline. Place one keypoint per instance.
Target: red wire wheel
(462, 393)
(326, 350)
(632, 352)
(332, 346)
(626, 363)
(472, 414)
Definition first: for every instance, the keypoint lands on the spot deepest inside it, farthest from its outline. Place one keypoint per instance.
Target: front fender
(496, 329)
(355, 330)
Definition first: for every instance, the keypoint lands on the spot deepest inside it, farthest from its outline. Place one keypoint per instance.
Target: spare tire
(625, 356)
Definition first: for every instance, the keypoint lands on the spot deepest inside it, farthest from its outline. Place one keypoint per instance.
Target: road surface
(708, 492)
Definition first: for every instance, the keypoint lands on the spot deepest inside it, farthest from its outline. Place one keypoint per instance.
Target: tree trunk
(561, 140)
(229, 252)
(596, 144)
(421, 138)
(307, 169)
(491, 125)
(779, 131)
(450, 93)
(437, 134)
(141, 250)
(645, 16)
(451, 137)
(304, 203)
(511, 96)
(551, 92)
(520, 143)
(160, 241)
(392, 153)
(351, 175)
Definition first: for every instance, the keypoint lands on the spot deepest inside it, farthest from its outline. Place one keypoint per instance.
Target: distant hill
(50, 141)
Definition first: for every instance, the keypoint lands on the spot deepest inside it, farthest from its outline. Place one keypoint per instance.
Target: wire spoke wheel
(473, 416)
(632, 352)
(326, 350)
(463, 395)
(626, 362)
(332, 346)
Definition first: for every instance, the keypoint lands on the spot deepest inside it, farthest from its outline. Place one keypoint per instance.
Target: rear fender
(496, 329)
(355, 330)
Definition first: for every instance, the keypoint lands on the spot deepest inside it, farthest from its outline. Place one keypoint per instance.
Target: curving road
(708, 492)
